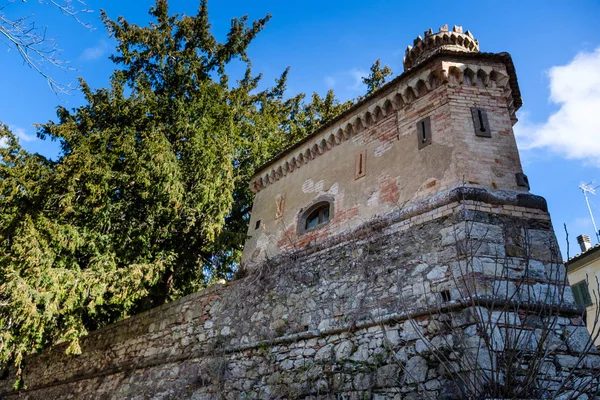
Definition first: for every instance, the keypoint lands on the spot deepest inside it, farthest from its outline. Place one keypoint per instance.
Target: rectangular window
(360, 164)
(581, 294)
(424, 132)
(480, 122)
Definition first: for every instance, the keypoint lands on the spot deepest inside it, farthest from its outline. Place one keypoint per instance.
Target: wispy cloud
(96, 52)
(22, 134)
(572, 131)
(582, 223)
(330, 82)
(357, 75)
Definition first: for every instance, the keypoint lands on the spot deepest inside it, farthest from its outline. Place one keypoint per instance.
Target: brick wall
(398, 171)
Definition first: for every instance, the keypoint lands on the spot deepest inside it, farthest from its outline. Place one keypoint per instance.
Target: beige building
(583, 272)
(445, 122)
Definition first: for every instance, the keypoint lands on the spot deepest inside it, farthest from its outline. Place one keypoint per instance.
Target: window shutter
(476, 123)
(577, 295)
(581, 294)
(587, 300)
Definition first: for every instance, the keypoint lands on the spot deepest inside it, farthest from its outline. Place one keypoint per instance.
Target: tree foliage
(149, 198)
(377, 77)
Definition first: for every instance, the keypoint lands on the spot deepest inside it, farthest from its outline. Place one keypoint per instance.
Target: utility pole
(588, 188)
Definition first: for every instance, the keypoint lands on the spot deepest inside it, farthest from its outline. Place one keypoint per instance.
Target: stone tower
(445, 123)
(395, 253)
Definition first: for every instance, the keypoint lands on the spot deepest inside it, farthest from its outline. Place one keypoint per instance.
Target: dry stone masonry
(383, 264)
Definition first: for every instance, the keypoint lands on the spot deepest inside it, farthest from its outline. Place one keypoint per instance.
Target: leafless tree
(39, 51)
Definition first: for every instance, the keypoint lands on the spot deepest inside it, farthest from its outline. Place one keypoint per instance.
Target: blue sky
(331, 44)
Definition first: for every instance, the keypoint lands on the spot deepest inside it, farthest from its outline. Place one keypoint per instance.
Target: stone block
(411, 330)
(392, 337)
(472, 231)
(361, 354)
(343, 350)
(438, 272)
(578, 339)
(324, 353)
(415, 370)
(388, 375)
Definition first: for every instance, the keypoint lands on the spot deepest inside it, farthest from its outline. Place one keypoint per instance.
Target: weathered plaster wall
(331, 320)
(397, 171)
(589, 271)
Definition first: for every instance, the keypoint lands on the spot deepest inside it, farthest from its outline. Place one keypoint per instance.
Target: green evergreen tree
(149, 198)
(377, 77)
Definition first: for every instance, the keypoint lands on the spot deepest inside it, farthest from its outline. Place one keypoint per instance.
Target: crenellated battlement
(423, 49)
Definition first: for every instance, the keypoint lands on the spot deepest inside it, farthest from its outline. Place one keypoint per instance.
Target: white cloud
(21, 134)
(95, 52)
(357, 76)
(3, 142)
(573, 130)
(330, 82)
(581, 223)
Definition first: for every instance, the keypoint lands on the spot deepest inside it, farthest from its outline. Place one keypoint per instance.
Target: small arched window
(316, 216)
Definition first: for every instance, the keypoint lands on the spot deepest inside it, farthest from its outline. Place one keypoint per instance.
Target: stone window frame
(316, 204)
(424, 132)
(481, 124)
(360, 164)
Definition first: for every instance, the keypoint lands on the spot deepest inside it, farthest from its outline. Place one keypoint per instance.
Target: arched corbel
(421, 88)
(331, 141)
(315, 151)
(398, 101)
(409, 95)
(378, 114)
(388, 107)
(307, 156)
(482, 78)
(468, 77)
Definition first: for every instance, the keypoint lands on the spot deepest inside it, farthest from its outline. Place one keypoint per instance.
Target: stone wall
(403, 307)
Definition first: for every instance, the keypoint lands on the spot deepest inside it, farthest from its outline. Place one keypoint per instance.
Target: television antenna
(589, 188)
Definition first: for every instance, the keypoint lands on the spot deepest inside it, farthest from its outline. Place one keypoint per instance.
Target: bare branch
(37, 50)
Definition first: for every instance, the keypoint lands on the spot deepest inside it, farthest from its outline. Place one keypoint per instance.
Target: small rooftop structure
(454, 40)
